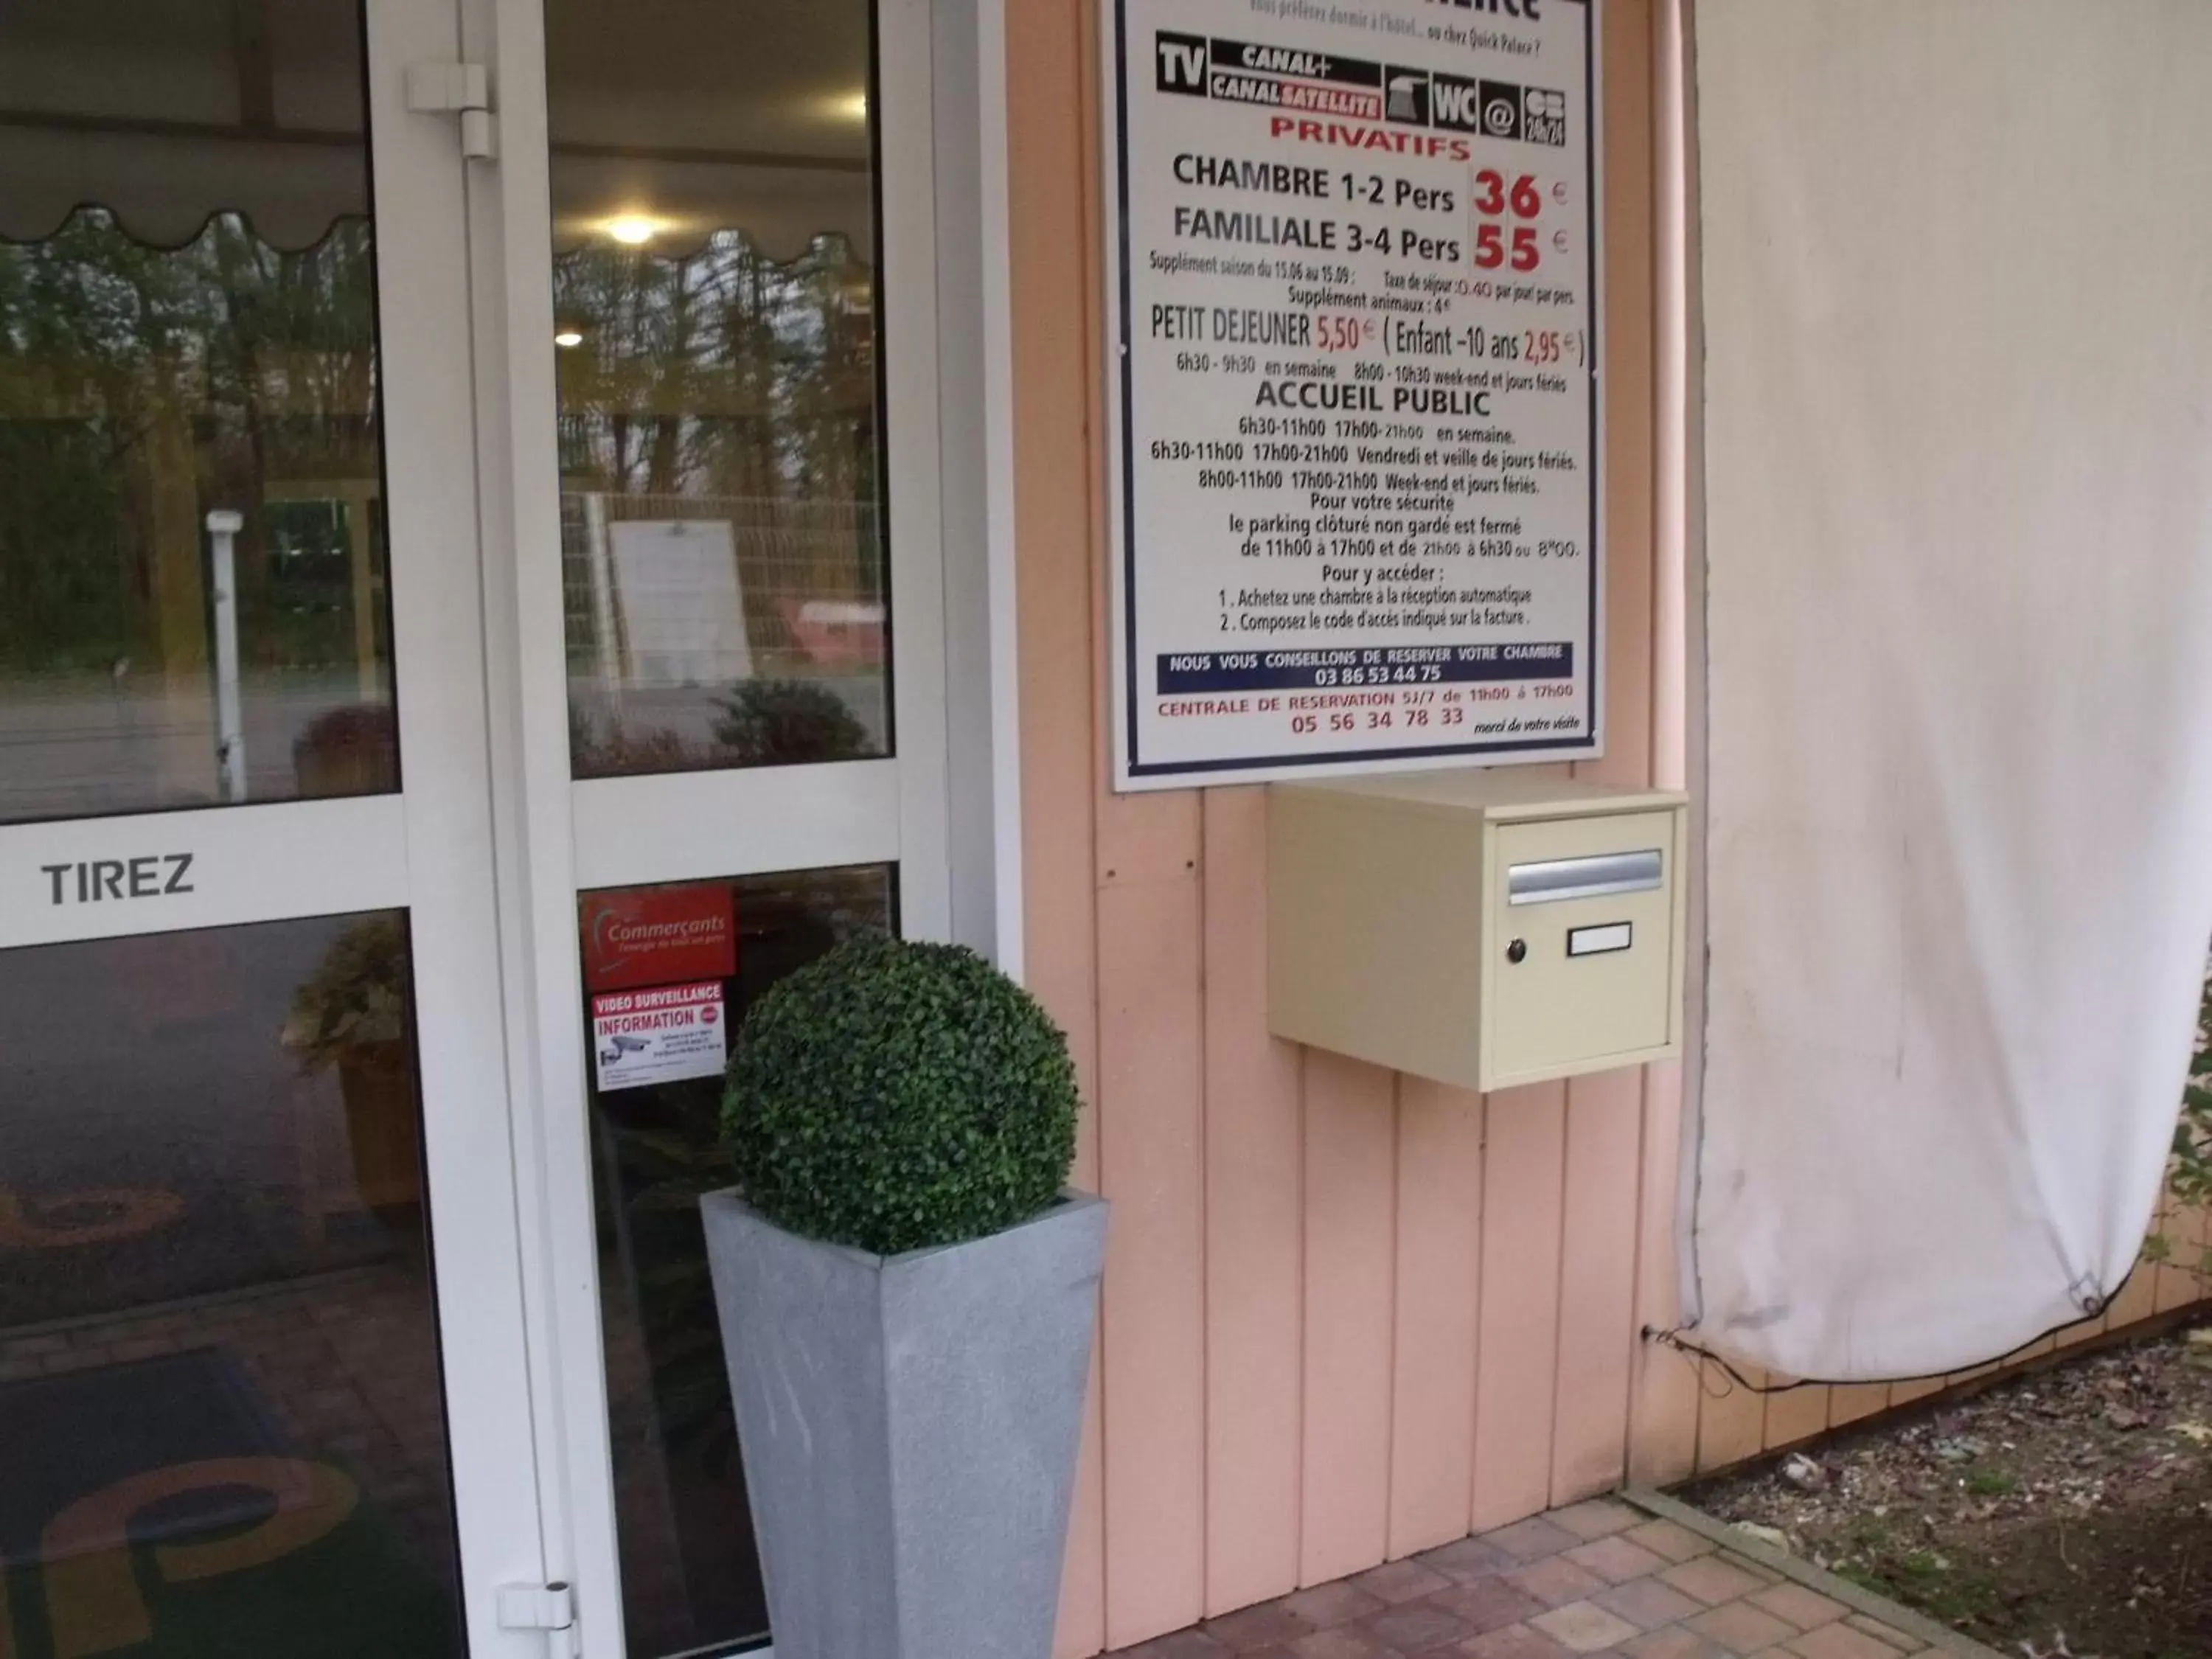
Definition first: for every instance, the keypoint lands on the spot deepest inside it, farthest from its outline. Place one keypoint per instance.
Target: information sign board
(1354, 348)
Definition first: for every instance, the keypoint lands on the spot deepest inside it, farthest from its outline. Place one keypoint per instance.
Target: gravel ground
(2067, 1512)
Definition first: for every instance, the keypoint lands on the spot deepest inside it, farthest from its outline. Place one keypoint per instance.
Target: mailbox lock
(1517, 952)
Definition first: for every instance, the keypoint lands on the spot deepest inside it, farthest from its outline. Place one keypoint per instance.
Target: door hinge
(548, 1608)
(462, 89)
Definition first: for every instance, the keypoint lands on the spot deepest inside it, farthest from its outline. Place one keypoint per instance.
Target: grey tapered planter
(909, 1426)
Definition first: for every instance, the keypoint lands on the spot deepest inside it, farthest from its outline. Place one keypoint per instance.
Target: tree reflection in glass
(144, 388)
(722, 541)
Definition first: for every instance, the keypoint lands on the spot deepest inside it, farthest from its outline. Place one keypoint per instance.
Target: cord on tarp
(2093, 1307)
(1705, 1360)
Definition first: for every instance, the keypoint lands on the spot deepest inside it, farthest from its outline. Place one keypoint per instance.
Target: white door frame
(557, 836)
(490, 841)
(427, 850)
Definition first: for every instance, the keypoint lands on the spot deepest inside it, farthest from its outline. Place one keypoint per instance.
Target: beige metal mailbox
(1482, 928)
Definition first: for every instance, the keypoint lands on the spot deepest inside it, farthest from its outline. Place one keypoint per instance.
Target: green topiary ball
(896, 1097)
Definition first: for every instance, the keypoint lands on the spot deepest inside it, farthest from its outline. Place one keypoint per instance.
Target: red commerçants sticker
(658, 936)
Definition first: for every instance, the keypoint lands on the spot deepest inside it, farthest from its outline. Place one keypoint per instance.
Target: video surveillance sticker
(666, 1035)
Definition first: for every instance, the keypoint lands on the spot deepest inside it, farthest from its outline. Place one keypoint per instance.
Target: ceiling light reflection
(632, 229)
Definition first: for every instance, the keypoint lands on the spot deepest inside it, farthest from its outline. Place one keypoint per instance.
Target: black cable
(1675, 1339)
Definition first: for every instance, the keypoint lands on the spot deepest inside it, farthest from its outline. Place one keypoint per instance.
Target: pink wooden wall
(1348, 1314)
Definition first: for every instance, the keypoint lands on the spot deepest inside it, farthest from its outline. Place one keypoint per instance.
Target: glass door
(721, 315)
(264, 1385)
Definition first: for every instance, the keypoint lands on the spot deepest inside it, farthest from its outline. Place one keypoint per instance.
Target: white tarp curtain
(1958, 307)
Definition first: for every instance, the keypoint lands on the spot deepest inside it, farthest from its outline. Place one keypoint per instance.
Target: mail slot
(1483, 928)
(1558, 879)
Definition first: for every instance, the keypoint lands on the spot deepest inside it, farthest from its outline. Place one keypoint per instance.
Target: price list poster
(1353, 348)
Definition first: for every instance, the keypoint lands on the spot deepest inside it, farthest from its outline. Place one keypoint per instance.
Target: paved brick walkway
(1602, 1578)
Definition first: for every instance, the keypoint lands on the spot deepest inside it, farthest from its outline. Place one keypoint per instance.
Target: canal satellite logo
(1321, 83)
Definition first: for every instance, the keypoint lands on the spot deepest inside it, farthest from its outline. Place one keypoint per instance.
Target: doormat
(64, 1437)
(302, 1562)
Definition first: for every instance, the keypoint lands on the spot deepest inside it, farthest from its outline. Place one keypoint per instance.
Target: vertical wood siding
(1348, 1316)
(1255, 1230)
(1435, 1337)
